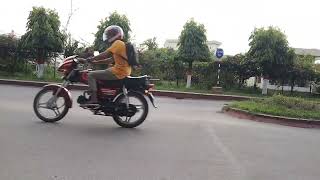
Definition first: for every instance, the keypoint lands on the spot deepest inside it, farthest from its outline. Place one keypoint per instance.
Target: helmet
(112, 33)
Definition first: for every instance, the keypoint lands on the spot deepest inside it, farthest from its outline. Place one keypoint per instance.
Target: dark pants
(100, 75)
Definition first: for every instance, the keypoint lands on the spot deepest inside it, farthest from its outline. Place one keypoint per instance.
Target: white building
(313, 52)
(173, 44)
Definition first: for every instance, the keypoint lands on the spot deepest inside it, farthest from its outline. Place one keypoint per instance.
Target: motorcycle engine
(82, 99)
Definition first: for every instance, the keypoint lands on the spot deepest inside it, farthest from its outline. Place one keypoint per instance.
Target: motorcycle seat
(128, 81)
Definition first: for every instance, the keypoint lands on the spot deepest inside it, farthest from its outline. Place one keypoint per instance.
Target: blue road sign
(219, 53)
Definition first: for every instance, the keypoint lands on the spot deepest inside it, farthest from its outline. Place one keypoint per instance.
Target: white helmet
(112, 33)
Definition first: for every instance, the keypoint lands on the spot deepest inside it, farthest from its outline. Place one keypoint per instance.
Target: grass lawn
(282, 106)
(30, 77)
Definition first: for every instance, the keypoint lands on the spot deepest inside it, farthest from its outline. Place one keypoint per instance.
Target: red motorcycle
(123, 99)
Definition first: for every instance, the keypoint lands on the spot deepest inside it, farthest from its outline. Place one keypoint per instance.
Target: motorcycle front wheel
(138, 100)
(48, 108)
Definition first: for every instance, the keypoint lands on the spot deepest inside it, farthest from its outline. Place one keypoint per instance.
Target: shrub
(293, 102)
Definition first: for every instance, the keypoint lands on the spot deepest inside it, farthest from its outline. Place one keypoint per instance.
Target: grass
(48, 76)
(244, 92)
(279, 105)
(171, 86)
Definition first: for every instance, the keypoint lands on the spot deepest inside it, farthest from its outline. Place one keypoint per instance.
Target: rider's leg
(101, 75)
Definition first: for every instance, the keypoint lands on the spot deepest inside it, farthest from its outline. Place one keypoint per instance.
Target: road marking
(241, 174)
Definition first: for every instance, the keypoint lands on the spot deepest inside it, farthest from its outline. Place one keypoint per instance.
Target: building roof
(214, 42)
(176, 41)
(312, 52)
(172, 41)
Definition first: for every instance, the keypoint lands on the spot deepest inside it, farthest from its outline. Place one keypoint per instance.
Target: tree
(71, 46)
(302, 71)
(43, 37)
(269, 47)
(193, 45)
(8, 52)
(243, 67)
(150, 44)
(158, 63)
(179, 69)
(113, 19)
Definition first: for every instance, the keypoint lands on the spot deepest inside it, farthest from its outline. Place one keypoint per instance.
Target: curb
(287, 121)
(183, 95)
(173, 94)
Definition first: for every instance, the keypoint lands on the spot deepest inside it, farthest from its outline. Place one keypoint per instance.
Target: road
(181, 140)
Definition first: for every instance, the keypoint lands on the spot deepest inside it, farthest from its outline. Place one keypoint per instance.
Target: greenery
(150, 44)
(269, 47)
(282, 106)
(269, 56)
(28, 74)
(157, 63)
(193, 44)
(71, 46)
(43, 36)
(8, 55)
(113, 19)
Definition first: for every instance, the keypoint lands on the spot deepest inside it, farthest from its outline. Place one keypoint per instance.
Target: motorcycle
(124, 100)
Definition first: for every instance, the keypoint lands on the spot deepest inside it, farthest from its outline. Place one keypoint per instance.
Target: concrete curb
(287, 121)
(173, 94)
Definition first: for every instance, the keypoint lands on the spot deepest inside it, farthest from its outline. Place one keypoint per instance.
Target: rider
(115, 53)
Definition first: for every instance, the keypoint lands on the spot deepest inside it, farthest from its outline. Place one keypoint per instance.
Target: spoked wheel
(140, 106)
(48, 108)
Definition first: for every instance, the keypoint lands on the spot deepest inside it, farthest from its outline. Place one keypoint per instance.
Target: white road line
(240, 171)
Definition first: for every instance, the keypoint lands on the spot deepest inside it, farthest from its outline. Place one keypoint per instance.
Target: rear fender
(63, 93)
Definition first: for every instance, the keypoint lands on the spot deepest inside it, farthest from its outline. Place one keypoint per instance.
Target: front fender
(63, 93)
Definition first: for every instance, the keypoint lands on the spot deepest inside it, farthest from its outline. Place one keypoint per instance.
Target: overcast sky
(227, 21)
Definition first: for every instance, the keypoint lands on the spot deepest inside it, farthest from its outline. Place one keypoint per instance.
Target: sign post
(219, 54)
(217, 89)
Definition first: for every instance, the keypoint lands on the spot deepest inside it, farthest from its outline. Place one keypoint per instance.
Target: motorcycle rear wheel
(124, 121)
(37, 105)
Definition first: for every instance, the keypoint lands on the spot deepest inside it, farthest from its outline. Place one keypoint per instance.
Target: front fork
(51, 102)
(125, 92)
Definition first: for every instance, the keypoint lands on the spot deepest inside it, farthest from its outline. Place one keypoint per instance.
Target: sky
(227, 21)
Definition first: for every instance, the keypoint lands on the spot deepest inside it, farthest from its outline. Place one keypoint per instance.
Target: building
(313, 52)
(173, 44)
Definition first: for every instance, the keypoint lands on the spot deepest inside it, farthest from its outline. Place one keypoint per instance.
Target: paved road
(182, 140)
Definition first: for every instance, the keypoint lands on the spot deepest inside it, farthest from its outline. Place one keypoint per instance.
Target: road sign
(219, 53)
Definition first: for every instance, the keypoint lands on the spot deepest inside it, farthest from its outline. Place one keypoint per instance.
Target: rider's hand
(89, 60)
(81, 60)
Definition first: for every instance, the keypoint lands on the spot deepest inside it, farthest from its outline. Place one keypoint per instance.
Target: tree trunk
(240, 81)
(310, 88)
(54, 70)
(265, 84)
(188, 81)
(282, 83)
(40, 70)
(255, 83)
(189, 75)
(40, 63)
(292, 85)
